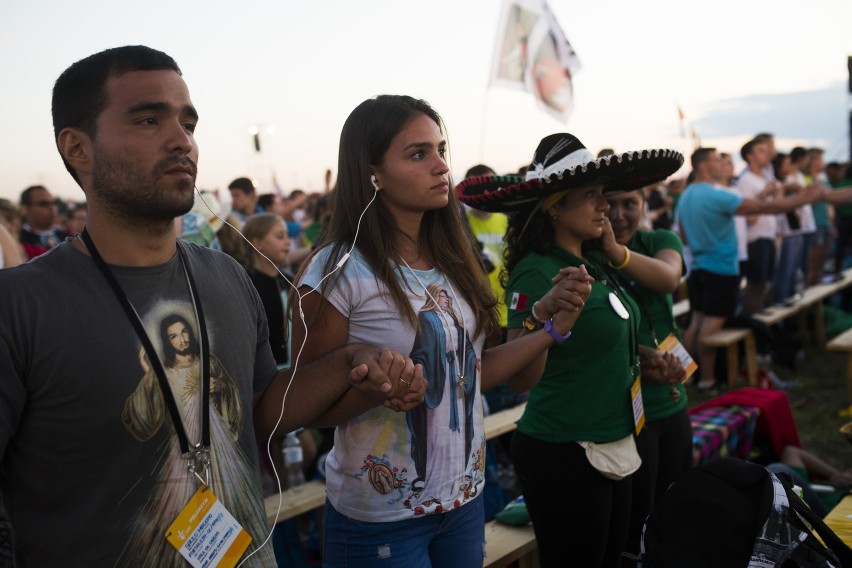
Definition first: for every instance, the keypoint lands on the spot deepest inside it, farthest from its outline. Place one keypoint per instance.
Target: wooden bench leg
(819, 325)
(849, 376)
(733, 357)
(751, 359)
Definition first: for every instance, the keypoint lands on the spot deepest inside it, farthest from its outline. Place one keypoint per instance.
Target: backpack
(729, 512)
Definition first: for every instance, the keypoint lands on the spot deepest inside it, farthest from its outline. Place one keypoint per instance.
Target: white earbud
(373, 181)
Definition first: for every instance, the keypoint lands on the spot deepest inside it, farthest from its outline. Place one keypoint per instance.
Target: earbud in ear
(373, 181)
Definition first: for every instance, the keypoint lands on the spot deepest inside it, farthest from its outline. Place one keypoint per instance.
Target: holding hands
(565, 300)
(388, 377)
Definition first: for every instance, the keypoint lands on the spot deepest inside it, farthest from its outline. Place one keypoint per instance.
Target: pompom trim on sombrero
(562, 162)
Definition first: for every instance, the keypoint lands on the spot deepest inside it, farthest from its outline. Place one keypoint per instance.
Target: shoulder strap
(828, 536)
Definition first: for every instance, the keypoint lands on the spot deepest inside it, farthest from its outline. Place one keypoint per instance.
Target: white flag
(532, 54)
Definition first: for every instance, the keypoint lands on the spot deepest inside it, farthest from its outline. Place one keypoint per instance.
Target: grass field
(821, 376)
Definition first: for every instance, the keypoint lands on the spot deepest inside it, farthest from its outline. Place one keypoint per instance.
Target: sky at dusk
(296, 70)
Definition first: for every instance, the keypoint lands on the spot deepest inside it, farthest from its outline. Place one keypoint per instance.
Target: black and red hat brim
(617, 173)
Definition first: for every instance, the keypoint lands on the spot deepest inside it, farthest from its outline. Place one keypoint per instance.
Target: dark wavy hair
(364, 140)
(530, 230)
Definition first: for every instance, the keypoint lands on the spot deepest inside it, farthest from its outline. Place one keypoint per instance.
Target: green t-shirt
(584, 392)
(657, 321)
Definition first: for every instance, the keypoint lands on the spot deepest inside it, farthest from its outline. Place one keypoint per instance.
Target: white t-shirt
(388, 466)
(742, 228)
(750, 185)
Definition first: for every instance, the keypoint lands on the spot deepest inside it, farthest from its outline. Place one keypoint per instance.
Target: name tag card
(672, 345)
(206, 534)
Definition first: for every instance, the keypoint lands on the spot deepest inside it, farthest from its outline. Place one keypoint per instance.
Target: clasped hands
(388, 377)
(565, 300)
(662, 367)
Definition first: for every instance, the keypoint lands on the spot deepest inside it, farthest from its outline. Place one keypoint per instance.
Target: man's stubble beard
(140, 199)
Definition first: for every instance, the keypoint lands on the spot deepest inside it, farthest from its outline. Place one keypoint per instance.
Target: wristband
(548, 327)
(625, 261)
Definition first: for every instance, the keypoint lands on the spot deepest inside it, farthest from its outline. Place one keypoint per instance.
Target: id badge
(672, 345)
(638, 408)
(206, 534)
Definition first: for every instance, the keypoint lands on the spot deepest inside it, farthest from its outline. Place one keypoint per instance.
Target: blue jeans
(791, 259)
(442, 540)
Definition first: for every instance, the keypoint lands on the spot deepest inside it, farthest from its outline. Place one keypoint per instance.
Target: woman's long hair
(444, 237)
(530, 230)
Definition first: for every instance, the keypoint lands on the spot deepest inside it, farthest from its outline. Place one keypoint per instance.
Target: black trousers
(665, 447)
(579, 516)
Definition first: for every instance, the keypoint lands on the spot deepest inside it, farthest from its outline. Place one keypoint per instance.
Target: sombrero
(562, 162)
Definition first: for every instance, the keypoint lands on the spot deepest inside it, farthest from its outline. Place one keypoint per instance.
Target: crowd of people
(382, 314)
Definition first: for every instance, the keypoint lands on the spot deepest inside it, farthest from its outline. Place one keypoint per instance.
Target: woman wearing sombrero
(574, 450)
(665, 444)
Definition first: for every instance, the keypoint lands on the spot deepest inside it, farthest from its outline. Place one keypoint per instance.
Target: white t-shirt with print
(388, 466)
(750, 185)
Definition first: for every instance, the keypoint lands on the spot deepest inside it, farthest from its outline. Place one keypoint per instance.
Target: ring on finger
(404, 381)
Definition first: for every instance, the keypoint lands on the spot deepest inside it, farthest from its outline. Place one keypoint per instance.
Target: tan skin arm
(750, 206)
(318, 387)
(12, 253)
(840, 196)
(330, 331)
(521, 360)
(659, 273)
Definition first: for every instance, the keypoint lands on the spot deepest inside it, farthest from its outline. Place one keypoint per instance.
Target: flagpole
(483, 125)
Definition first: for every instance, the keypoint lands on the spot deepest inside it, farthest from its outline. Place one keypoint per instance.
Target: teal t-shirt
(706, 216)
(657, 322)
(584, 392)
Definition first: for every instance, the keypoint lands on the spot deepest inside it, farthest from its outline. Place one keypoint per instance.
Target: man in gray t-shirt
(135, 368)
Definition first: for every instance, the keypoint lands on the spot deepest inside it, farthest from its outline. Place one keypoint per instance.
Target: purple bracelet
(548, 326)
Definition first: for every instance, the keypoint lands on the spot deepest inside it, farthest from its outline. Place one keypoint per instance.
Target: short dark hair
(27, 194)
(699, 156)
(266, 200)
(748, 148)
(797, 154)
(78, 94)
(244, 184)
(479, 170)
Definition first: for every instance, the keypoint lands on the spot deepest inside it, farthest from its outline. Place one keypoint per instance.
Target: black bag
(732, 513)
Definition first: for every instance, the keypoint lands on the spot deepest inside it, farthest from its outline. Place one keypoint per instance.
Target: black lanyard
(197, 456)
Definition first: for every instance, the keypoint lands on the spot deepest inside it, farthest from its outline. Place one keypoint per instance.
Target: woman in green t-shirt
(665, 443)
(584, 402)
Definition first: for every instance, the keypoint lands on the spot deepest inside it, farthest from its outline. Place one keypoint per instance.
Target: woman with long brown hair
(399, 268)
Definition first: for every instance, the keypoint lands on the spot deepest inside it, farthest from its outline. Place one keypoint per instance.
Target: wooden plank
(505, 544)
(842, 342)
(725, 337)
(295, 501)
(809, 297)
(503, 421)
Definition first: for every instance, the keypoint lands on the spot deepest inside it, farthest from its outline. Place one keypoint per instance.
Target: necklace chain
(462, 379)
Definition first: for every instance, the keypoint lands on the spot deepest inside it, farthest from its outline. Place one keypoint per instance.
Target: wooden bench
(730, 339)
(843, 342)
(505, 544)
(811, 297)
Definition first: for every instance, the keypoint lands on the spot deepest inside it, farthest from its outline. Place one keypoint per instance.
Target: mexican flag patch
(519, 301)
